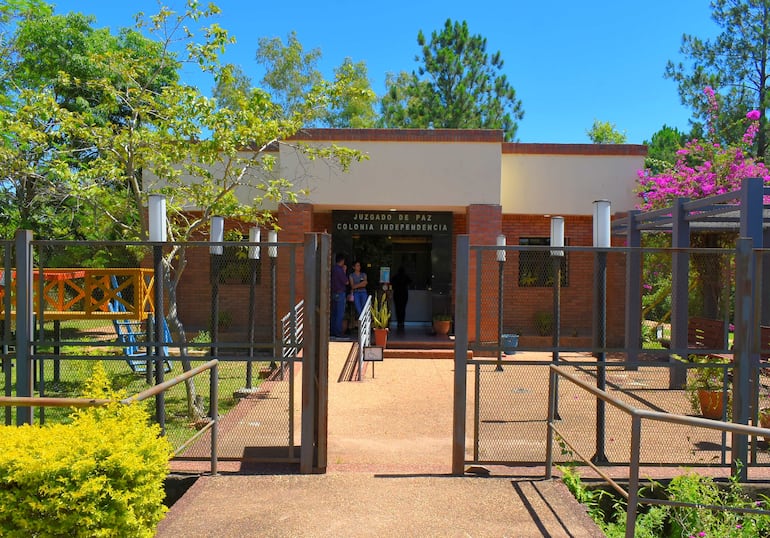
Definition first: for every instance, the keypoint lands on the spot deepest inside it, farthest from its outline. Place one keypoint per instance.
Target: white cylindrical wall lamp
(255, 235)
(557, 235)
(217, 234)
(157, 217)
(272, 237)
(602, 223)
(501, 252)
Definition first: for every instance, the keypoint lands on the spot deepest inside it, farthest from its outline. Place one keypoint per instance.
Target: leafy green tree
(735, 64)
(150, 133)
(290, 71)
(355, 105)
(53, 67)
(231, 85)
(662, 149)
(604, 132)
(458, 85)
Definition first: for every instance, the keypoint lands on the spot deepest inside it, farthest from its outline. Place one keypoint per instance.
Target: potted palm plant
(380, 320)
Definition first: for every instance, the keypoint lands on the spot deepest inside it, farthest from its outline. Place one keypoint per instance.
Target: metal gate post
(462, 266)
(24, 322)
(680, 267)
(315, 358)
(633, 313)
(744, 268)
(6, 306)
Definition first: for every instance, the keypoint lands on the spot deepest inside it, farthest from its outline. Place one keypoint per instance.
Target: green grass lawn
(73, 373)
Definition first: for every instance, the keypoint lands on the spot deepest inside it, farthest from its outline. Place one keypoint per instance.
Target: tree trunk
(710, 270)
(195, 408)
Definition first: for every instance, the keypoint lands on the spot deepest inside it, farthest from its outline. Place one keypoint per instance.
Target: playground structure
(121, 295)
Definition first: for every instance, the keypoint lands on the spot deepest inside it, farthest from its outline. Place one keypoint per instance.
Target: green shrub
(543, 323)
(101, 475)
(674, 521)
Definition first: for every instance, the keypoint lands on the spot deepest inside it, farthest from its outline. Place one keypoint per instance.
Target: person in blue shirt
(358, 287)
(339, 283)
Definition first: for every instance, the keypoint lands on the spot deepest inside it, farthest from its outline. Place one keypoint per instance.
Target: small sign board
(384, 275)
(373, 353)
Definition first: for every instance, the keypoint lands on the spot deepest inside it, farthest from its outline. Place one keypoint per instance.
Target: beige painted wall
(567, 184)
(448, 176)
(404, 175)
(245, 193)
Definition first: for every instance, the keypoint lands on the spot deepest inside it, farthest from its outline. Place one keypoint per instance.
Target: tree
(354, 107)
(291, 74)
(705, 167)
(735, 64)
(290, 71)
(458, 85)
(604, 132)
(231, 85)
(662, 149)
(192, 149)
(149, 133)
(52, 63)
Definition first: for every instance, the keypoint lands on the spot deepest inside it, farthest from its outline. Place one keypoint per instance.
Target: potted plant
(764, 417)
(705, 388)
(380, 320)
(509, 342)
(441, 324)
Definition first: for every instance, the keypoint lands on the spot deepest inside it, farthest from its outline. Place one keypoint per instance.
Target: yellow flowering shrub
(102, 475)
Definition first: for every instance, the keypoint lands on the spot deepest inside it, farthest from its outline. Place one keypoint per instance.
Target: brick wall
(194, 294)
(483, 223)
(295, 221)
(483, 226)
(576, 299)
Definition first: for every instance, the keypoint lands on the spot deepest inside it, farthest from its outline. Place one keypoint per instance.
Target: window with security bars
(536, 266)
(235, 265)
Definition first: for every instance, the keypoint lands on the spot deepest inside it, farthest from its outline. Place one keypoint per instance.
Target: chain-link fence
(577, 307)
(239, 303)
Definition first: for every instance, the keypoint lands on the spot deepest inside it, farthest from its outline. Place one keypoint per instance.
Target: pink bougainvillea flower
(704, 167)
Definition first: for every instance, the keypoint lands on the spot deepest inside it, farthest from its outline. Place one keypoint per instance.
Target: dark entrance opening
(380, 254)
(383, 241)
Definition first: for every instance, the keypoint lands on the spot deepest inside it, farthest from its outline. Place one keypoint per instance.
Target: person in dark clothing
(401, 284)
(339, 282)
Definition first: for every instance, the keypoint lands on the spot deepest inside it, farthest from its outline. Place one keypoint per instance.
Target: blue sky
(569, 62)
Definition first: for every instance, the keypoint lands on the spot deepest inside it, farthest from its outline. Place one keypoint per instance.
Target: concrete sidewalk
(389, 464)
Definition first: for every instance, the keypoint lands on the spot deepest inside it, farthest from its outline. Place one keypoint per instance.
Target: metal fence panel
(580, 319)
(217, 303)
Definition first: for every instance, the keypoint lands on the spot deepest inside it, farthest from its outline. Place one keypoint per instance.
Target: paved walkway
(388, 474)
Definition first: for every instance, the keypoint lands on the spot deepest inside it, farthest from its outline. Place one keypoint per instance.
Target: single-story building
(419, 189)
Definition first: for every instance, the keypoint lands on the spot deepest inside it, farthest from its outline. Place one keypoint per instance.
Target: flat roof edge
(400, 135)
(575, 149)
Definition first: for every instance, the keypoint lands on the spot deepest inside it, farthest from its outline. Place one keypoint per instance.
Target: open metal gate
(272, 383)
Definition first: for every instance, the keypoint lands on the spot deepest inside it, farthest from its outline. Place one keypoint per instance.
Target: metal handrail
(31, 401)
(364, 334)
(637, 415)
(293, 330)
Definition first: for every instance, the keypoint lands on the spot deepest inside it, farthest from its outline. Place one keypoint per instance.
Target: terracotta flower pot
(441, 326)
(711, 403)
(380, 337)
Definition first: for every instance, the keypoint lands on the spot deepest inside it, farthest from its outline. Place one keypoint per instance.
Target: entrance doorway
(381, 256)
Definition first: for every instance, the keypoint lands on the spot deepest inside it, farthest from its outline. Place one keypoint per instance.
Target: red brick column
(295, 220)
(483, 226)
